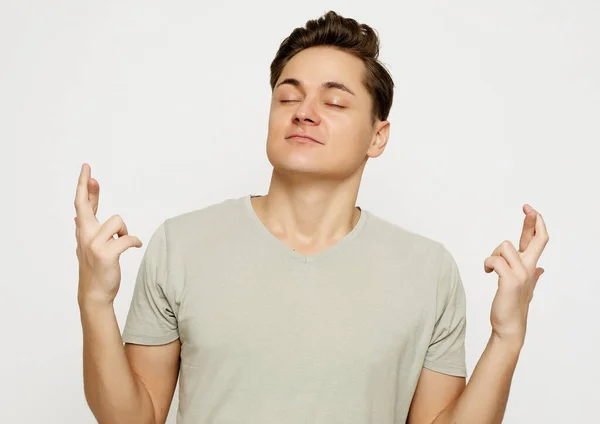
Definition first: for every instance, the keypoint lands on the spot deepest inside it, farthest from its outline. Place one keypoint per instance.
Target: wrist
(89, 303)
(510, 345)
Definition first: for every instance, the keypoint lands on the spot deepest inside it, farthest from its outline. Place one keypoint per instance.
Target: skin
(131, 384)
(311, 200)
(484, 399)
(310, 206)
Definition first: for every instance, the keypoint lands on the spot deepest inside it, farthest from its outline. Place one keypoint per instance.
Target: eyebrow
(326, 85)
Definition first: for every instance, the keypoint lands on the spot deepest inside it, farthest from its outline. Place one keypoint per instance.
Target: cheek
(276, 130)
(352, 134)
(277, 120)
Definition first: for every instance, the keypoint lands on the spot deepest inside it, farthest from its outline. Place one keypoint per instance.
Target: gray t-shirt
(271, 336)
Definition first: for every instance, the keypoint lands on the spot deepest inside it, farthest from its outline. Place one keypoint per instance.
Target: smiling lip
(304, 137)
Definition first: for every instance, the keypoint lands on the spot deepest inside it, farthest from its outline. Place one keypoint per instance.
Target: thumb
(125, 242)
(537, 274)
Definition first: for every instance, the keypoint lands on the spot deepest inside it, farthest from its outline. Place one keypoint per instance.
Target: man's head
(328, 84)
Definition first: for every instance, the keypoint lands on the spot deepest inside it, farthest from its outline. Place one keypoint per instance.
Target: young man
(298, 306)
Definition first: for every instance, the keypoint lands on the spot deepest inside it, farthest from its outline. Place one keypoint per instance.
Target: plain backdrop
(497, 104)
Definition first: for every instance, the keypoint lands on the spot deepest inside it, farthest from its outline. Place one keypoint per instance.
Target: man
(298, 306)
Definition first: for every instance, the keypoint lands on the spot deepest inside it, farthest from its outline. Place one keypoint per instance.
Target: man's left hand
(518, 275)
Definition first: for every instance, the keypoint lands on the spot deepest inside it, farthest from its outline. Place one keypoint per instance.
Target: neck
(307, 212)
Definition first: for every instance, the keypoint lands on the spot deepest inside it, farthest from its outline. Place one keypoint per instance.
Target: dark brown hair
(349, 36)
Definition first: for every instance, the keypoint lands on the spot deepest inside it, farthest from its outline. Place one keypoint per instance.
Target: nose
(306, 113)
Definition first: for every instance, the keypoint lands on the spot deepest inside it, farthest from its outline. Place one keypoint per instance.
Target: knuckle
(497, 261)
(117, 218)
(506, 244)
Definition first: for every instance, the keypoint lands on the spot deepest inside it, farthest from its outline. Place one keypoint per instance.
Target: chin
(291, 164)
(300, 167)
(284, 156)
(293, 159)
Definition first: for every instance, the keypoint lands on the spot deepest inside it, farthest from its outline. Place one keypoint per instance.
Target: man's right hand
(98, 250)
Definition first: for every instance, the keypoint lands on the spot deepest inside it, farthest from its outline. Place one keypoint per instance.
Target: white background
(497, 104)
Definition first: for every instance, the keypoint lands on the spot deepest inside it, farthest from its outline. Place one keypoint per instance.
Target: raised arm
(122, 385)
(440, 399)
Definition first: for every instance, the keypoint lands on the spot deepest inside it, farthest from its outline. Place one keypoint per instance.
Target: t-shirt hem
(150, 340)
(446, 369)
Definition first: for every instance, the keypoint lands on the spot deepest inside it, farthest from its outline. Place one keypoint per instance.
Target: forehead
(316, 65)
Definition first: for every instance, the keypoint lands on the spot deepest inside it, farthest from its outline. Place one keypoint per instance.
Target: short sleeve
(446, 352)
(151, 319)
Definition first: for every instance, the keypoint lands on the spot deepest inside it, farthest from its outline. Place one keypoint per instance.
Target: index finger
(82, 204)
(528, 227)
(539, 241)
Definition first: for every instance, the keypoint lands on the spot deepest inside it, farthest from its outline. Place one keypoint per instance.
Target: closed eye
(328, 104)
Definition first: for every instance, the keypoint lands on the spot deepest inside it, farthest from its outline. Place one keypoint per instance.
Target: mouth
(300, 138)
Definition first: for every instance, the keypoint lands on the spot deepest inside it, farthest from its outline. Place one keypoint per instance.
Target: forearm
(485, 397)
(112, 391)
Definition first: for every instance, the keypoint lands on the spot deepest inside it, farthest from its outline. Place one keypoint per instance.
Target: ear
(380, 138)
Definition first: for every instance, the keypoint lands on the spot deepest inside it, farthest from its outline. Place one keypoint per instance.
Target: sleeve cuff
(150, 340)
(455, 371)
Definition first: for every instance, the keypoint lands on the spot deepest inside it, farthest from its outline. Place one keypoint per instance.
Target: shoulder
(427, 258)
(422, 262)
(403, 242)
(181, 241)
(203, 222)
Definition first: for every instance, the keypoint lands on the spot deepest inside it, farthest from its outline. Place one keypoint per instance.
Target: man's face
(320, 94)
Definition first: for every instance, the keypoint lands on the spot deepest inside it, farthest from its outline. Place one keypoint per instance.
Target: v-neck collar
(278, 244)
